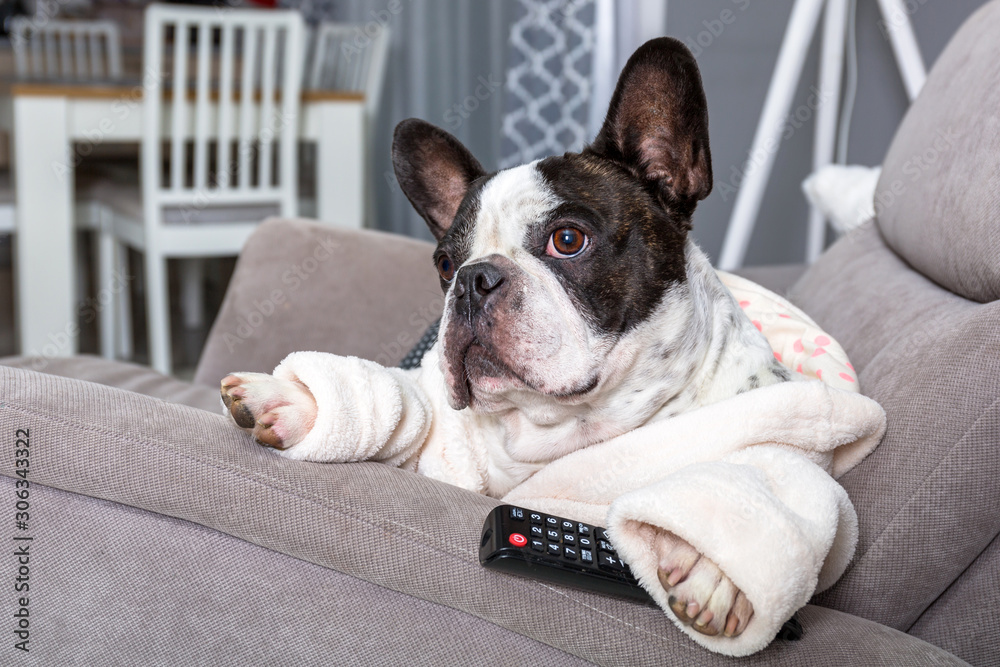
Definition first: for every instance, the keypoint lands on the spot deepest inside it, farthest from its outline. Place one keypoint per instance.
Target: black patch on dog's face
(631, 192)
(457, 241)
(635, 251)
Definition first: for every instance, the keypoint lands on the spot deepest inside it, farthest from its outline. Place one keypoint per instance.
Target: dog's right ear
(434, 170)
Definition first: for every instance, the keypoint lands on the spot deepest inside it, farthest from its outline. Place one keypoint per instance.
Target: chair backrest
(80, 50)
(345, 57)
(221, 106)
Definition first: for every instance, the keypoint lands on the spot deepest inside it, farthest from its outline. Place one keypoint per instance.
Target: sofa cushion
(928, 498)
(299, 285)
(386, 526)
(938, 201)
(965, 618)
(127, 586)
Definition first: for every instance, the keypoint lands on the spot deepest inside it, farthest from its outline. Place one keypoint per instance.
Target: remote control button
(535, 517)
(517, 514)
(537, 531)
(554, 549)
(568, 526)
(586, 543)
(552, 534)
(602, 534)
(538, 545)
(517, 539)
(609, 562)
(552, 521)
(583, 529)
(606, 546)
(569, 538)
(569, 553)
(586, 555)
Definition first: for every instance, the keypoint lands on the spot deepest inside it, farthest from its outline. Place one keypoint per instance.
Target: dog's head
(547, 266)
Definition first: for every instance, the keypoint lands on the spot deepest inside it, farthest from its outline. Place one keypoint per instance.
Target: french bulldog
(576, 309)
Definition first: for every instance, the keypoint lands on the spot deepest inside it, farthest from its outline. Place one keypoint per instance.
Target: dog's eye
(446, 268)
(566, 242)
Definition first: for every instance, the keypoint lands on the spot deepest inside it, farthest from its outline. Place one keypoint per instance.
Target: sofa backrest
(299, 285)
(913, 298)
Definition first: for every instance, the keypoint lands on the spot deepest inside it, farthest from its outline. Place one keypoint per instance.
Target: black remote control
(570, 553)
(554, 549)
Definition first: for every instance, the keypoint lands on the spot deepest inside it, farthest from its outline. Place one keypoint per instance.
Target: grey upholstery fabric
(417, 536)
(965, 618)
(928, 498)
(130, 377)
(119, 585)
(779, 278)
(299, 285)
(938, 200)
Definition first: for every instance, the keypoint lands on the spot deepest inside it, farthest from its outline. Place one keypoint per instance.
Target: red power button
(517, 539)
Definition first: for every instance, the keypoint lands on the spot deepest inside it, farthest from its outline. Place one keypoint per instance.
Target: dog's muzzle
(476, 287)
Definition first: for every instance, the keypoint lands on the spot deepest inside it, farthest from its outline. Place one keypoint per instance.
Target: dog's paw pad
(699, 593)
(279, 413)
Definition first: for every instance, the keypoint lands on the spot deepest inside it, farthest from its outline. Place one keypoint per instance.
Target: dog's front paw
(699, 593)
(279, 413)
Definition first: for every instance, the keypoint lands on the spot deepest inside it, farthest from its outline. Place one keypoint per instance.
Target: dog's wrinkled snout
(475, 285)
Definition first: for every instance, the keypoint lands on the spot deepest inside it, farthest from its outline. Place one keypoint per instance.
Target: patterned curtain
(549, 79)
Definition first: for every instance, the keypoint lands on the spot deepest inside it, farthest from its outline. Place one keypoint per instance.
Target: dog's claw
(679, 608)
(266, 435)
(702, 624)
(241, 414)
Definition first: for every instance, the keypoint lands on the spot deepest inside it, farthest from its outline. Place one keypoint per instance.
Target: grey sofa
(161, 534)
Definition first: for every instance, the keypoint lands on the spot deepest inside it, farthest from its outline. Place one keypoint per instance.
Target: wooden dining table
(52, 123)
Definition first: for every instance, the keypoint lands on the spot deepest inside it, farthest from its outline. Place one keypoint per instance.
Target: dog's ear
(657, 123)
(434, 170)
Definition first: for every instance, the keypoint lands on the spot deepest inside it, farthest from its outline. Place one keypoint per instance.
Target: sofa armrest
(418, 536)
(299, 285)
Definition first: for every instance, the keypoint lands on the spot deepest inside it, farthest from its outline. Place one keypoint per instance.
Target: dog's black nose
(474, 284)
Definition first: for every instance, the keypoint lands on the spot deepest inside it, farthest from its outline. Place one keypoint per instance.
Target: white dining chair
(344, 59)
(71, 50)
(218, 151)
(65, 49)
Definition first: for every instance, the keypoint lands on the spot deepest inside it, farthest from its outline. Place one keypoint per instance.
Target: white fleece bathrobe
(748, 481)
